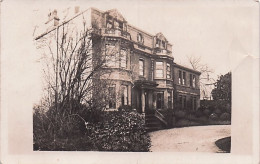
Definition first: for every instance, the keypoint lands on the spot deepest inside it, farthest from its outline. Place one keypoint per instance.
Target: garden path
(189, 139)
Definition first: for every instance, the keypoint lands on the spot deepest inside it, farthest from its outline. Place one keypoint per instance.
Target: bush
(121, 131)
(180, 113)
(118, 131)
(213, 116)
(225, 116)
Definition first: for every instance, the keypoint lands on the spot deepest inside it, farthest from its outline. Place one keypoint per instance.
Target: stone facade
(143, 74)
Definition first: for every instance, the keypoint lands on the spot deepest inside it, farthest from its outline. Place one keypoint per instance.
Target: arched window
(140, 38)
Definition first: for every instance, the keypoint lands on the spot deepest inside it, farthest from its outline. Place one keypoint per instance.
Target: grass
(224, 144)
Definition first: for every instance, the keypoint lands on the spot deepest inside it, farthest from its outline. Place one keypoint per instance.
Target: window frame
(142, 61)
(168, 72)
(112, 99)
(159, 68)
(124, 59)
(160, 99)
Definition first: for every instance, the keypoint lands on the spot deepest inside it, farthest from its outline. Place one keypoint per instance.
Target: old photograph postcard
(147, 81)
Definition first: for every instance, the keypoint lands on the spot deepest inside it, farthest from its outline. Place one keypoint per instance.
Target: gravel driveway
(189, 139)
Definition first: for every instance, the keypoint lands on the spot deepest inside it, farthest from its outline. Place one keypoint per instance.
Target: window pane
(168, 73)
(123, 58)
(110, 55)
(141, 67)
(112, 97)
(160, 100)
(180, 77)
(159, 69)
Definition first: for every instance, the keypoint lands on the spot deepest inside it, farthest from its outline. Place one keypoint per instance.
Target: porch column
(143, 100)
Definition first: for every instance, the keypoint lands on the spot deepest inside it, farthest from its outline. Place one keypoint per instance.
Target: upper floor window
(120, 25)
(140, 38)
(168, 71)
(141, 67)
(157, 43)
(123, 58)
(184, 78)
(180, 77)
(110, 55)
(109, 24)
(193, 81)
(159, 69)
(163, 44)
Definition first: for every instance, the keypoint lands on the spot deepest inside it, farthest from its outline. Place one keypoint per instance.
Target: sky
(221, 33)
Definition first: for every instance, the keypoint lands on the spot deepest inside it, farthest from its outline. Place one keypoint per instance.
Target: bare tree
(206, 78)
(74, 58)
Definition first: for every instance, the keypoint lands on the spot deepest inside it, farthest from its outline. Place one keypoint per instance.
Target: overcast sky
(221, 32)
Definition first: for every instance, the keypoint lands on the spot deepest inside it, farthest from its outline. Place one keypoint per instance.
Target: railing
(115, 32)
(160, 116)
(163, 52)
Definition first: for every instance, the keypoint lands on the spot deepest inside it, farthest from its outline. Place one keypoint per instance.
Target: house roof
(187, 69)
(116, 14)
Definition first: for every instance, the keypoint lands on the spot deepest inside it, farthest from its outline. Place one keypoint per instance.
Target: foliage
(222, 90)
(115, 131)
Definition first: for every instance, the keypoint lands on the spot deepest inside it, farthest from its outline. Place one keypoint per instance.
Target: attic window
(140, 38)
(120, 25)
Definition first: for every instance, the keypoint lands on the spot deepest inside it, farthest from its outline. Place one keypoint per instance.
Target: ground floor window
(182, 102)
(124, 95)
(170, 99)
(160, 100)
(112, 96)
(194, 105)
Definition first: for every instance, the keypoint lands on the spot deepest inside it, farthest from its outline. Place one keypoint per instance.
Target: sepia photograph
(169, 79)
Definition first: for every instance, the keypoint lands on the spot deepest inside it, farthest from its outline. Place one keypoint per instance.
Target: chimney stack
(53, 17)
(76, 9)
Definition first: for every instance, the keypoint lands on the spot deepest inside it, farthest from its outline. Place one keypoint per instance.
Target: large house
(143, 72)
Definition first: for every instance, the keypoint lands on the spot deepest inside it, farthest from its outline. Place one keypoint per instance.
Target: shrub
(180, 113)
(206, 112)
(213, 116)
(118, 131)
(225, 116)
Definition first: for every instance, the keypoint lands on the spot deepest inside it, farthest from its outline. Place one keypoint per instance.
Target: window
(184, 78)
(158, 43)
(112, 96)
(168, 71)
(120, 25)
(163, 44)
(159, 69)
(124, 95)
(194, 105)
(184, 105)
(123, 60)
(169, 99)
(140, 38)
(141, 67)
(180, 77)
(109, 24)
(160, 100)
(180, 101)
(193, 81)
(110, 56)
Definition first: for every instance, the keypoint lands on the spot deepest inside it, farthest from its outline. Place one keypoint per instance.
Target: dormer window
(120, 25)
(140, 38)
(109, 24)
(163, 44)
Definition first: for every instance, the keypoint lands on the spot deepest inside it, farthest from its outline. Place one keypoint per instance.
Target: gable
(114, 13)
